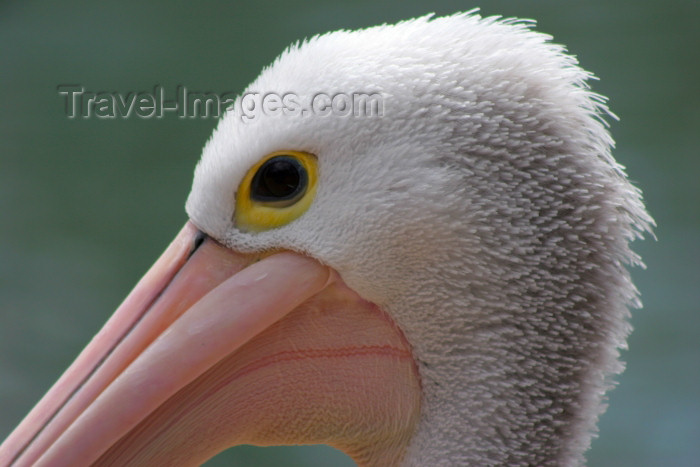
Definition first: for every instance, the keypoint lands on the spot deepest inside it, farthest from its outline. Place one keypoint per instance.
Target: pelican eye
(281, 179)
(276, 190)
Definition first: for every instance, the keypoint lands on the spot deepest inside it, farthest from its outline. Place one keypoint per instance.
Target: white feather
(483, 210)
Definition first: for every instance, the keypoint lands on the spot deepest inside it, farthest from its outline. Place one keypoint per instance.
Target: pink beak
(215, 348)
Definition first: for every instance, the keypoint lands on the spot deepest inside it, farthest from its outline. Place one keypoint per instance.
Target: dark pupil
(280, 178)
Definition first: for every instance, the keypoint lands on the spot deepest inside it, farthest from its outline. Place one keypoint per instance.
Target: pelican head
(441, 281)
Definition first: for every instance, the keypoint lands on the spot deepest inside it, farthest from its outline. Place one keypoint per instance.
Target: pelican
(443, 282)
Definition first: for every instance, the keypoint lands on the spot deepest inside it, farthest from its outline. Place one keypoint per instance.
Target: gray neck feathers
(519, 364)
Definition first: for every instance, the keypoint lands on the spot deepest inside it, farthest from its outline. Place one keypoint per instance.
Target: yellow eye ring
(276, 190)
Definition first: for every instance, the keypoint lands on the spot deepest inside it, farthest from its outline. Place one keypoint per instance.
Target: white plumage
(483, 210)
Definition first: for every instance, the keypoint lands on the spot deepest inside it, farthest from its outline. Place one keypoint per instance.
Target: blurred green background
(87, 205)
